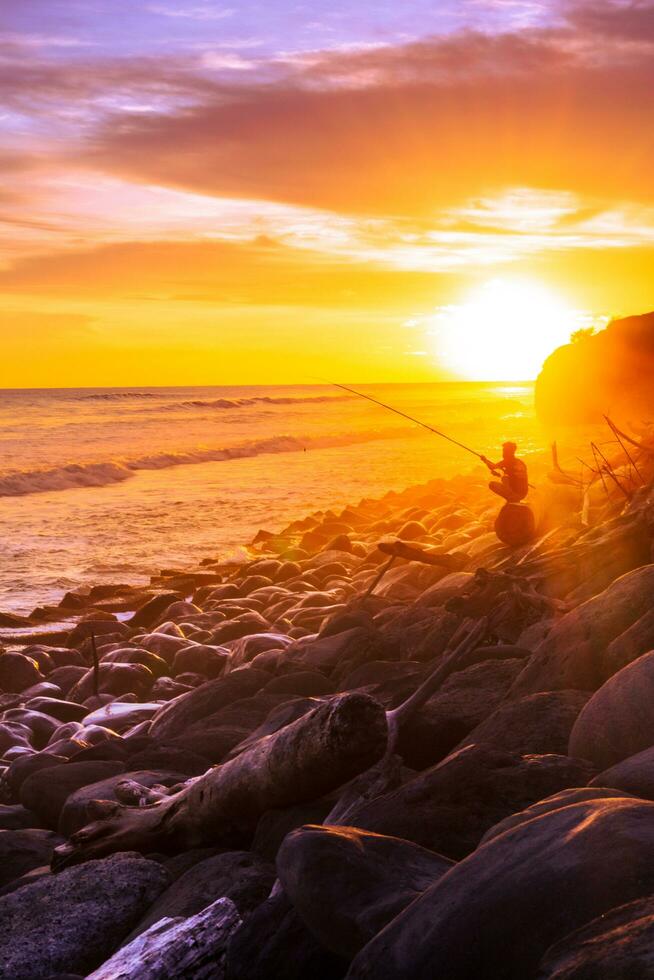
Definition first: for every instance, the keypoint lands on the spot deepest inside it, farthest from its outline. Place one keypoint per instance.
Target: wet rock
(238, 875)
(449, 807)
(114, 679)
(465, 699)
(301, 683)
(148, 614)
(515, 524)
(16, 817)
(618, 721)
(274, 944)
(44, 689)
(175, 718)
(274, 825)
(56, 708)
(346, 884)
(634, 775)
(537, 724)
(130, 655)
(168, 758)
(83, 914)
(18, 672)
(573, 654)
(120, 716)
(201, 659)
(550, 803)
(23, 850)
(46, 791)
(20, 769)
(518, 894)
(618, 945)
(66, 677)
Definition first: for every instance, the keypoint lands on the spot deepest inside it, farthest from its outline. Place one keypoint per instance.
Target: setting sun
(504, 331)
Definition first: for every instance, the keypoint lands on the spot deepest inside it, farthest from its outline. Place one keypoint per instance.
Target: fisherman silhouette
(514, 485)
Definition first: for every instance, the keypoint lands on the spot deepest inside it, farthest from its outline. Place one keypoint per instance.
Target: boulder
(618, 721)
(274, 944)
(238, 875)
(23, 850)
(83, 914)
(20, 769)
(274, 825)
(634, 775)
(496, 913)
(134, 655)
(120, 715)
(574, 653)
(150, 612)
(449, 807)
(56, 708)
(114, 679)
(461, 703)
(515, 524)
(619, 945)
(16, 817)
(169, 758)
(200, 659)
(18, 672)
(555, 802)
(174, 718)
(346, 884)
(535, 725)
(46, 791)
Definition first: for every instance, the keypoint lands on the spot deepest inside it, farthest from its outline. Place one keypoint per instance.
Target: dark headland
(429, 758)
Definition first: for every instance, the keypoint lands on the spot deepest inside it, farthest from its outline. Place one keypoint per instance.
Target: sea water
(113, 484)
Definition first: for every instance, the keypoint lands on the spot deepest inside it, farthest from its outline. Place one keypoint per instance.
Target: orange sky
(205, 198)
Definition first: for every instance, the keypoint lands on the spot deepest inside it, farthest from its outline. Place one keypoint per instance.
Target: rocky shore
(384, 744)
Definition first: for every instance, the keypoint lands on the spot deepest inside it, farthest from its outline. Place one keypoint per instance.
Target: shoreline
(390, 667)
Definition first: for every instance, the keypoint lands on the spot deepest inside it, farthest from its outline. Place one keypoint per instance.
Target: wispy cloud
(201, 12)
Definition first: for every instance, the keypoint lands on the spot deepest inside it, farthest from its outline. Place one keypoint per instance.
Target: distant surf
(104, 473)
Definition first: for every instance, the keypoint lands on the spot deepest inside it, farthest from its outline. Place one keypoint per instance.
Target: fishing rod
(430, 428)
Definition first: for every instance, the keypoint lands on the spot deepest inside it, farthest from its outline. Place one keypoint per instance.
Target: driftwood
(412, 552)
(385, 775)
(178, 947)
(312, 756)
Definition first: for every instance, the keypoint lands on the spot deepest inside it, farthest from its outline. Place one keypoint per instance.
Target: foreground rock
(618, 721)
(574, 654)
(347, 884)
(71, 923)
(518, 894)
(448, 808)
(616, 946)
(238, 875)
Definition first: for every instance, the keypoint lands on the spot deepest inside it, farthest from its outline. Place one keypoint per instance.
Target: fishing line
(390, 408)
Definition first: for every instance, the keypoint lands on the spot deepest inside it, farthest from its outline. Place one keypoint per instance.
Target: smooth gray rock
(634, 775)
(347, 884)
(618, 945)
(73, 921)
(535, 725)
(46, 791)
(496, 913)
(22, 850)
(618, 721)
(448, 808)
(465, 699)
(238, 875)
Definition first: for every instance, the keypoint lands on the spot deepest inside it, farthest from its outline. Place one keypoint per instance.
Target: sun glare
(504, 331)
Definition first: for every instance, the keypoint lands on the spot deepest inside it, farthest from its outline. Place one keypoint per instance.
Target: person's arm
(493, 466)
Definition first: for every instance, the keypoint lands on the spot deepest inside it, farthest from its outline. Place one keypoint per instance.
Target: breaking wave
(227, 403)
(102, 474)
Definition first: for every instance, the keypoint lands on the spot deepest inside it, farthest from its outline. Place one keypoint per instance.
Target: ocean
(114, 484)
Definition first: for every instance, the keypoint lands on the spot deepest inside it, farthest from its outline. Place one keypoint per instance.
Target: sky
(197, 192)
